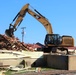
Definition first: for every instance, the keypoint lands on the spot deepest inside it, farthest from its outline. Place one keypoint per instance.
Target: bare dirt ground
(49, 72)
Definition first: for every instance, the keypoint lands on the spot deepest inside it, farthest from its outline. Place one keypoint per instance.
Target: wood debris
(13, 43)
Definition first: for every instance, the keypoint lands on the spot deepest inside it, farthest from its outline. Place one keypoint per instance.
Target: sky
(60, 13)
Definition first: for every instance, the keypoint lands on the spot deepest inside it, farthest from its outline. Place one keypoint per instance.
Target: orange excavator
(51, 40)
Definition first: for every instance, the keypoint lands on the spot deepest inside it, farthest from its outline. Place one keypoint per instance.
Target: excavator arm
(17, 21)
(19, 17)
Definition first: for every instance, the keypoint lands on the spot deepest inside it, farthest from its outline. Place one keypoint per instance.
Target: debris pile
(12, 43)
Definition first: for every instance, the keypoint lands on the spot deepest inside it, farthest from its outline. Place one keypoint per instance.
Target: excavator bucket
(9, 32)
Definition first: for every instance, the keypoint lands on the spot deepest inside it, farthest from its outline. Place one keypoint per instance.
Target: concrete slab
(64, 62)
(17, 57)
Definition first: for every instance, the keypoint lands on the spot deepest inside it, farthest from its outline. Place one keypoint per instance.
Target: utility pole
(23, 33)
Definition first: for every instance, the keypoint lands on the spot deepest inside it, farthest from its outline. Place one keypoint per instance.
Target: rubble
(13, 43)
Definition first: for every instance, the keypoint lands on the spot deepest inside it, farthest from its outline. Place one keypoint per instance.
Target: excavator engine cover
(67, 41)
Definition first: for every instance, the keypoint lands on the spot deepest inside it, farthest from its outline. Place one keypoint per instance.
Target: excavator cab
(53, 39)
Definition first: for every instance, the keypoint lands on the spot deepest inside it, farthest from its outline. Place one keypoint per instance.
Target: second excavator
(51, 40)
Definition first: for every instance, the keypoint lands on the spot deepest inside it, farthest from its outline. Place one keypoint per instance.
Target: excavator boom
(19, 17)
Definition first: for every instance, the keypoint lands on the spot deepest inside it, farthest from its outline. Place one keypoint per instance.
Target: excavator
(51, 40)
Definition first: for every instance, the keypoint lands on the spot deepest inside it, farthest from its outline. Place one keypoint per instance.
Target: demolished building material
(13, 43)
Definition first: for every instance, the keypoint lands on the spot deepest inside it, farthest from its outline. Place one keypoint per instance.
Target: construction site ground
(44, 72)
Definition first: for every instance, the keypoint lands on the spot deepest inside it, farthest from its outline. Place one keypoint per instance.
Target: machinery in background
(51, 40)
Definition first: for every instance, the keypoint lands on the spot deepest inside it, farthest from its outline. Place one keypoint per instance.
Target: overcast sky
(60, 13)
